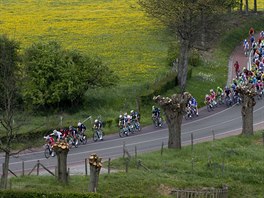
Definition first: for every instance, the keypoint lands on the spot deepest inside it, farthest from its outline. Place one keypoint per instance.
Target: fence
(204, 193)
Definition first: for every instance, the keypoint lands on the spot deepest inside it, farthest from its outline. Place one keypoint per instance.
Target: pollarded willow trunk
(247, 92)
(174, 109)
(174, 121)
(61, 149)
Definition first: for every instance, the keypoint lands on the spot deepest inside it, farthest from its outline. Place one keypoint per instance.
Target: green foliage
(9, 68)
(55, 76)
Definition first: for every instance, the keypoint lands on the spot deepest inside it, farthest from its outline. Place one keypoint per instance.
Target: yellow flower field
(115, 30)
(134, 46)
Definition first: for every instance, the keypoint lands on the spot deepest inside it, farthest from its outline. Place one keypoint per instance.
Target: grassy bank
(236, 162)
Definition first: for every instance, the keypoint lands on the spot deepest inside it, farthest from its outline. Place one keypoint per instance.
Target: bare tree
(193, 22)
(174, 109)
(9, 60)
(247, 92)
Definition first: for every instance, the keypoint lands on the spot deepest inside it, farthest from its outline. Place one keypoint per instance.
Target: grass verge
(236, 162)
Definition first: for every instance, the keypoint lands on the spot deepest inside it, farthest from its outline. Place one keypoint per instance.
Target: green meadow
(235, 162)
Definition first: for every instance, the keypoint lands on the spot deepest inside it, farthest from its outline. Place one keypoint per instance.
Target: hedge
(31, 194)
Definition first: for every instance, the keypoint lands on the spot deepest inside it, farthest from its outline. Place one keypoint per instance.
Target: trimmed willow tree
(61, 149)
(247, 92)
(174, 109)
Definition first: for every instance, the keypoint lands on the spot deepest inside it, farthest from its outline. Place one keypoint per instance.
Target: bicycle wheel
(84, 139)
(47, 152)
(76, 142)
(95, 136)
(138, 127)
(121, 133)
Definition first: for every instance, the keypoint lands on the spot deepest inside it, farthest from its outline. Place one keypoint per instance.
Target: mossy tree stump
(95, 167)
(61, 149)
(174, 109)
(247, 92)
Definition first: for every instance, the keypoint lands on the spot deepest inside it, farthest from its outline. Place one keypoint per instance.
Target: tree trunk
(241, 6)
(255, 5)
(5, 168)
(174, 121)
(94, 178)
(95, 167)
(246, 8)
(62, 164)
(183, 64)
(247, 115)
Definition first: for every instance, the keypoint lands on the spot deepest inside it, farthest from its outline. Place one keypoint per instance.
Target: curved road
(220, 123)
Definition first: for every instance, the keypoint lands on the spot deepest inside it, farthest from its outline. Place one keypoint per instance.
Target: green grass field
(236, 162)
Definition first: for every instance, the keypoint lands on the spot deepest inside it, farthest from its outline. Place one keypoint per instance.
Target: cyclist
(219, 94)
(156, 115)
(237, 66)
(81, 128)
(73, 131)
(57, 134)
(121, 121)
(207, 99)
(213, 97)
(97, 124)
(246, 47)
(193, 103)
(49, 139)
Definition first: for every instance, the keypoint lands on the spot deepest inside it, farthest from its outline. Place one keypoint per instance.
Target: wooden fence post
(108, 165)
(213, 135)
(127, 161)
(161, 151)
(192, 140)
(38, 168)
(23, 168)
(136, 153)
(85, 166)
(124, 149)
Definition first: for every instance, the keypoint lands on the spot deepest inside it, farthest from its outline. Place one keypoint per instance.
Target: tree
(255, 6)
(61, 149)
(9, 68)
(58, 77)
(246, 7)
(194, 22)
(247, 92)
(174, 109)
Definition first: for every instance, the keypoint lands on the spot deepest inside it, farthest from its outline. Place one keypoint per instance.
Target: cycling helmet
(96, 121)
(211, 90)
(132, 111)
(125, 114)
(79, 123)
(120, 116)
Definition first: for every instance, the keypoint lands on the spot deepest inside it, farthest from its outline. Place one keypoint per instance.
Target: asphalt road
(217, 124)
